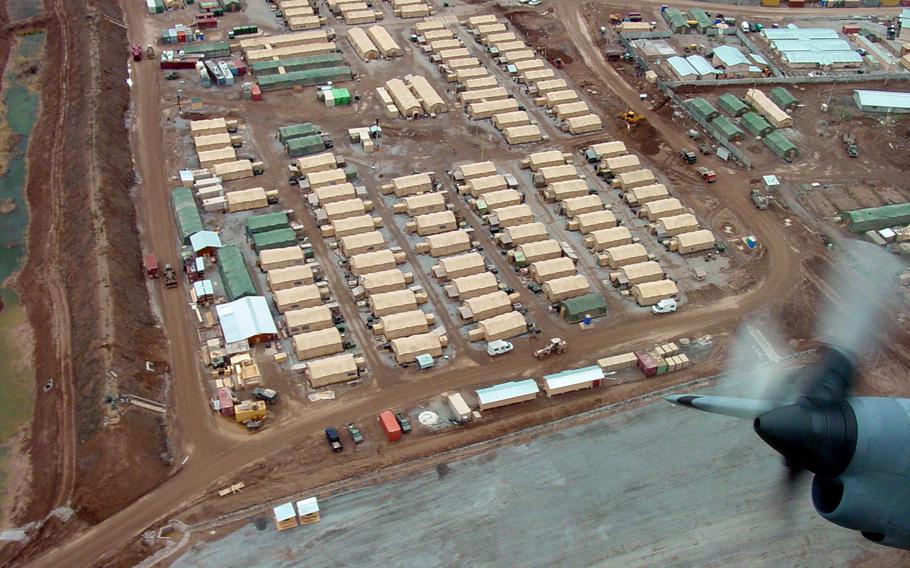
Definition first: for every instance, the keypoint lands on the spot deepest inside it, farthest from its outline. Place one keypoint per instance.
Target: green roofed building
(576, 309)
(676, 20)
(209, 49)
(755, 124)
(189, 222)
(781, 146)
(726, 127)
(279, 238)
(701, 18)
(234, 276)
(293, 64)
(875, 218)
(305, 145)
(266, 222)
(306, 78)
(783, 98)
(703, 108)
(732, 104)
(286, 133)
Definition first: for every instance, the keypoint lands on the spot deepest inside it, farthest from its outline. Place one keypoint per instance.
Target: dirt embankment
(85, 296)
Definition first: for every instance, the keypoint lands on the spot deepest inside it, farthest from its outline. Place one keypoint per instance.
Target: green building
(189, 221)
(875, 218)
(576, 309)
(234, 276)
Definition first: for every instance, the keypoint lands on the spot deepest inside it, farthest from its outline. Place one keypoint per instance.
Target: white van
(744, 26)
(666, 306)
(498, 347)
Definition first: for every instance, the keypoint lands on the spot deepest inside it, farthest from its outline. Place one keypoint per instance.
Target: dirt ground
(290, 456)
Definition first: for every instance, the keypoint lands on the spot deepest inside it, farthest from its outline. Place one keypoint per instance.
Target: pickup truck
(270, 396)
(331, 435)
(707, 175)
(355, 433)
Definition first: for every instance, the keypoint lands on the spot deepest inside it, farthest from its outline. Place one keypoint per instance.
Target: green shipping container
(337, 97)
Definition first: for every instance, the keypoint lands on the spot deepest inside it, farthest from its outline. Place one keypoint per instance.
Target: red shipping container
(390, 425)
(181, 37)
(849, 30)
(227, 402)
(240, 66)
(256, 92)
(646, 363)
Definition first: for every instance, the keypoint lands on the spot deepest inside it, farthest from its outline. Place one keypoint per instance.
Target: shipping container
(646, 363)
(390, 425)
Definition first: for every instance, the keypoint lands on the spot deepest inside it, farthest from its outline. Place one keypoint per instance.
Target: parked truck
(707, 175)
(850, 146)
(170, 277)
(760, 200)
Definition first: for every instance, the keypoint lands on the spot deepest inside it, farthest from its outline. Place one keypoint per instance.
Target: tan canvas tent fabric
(540, 250)
(289, 277)
(387, 303)
(332, 193)
(434, 223)
(488, 305)
(546, 270)
(566, 189)
(425, 203)
(362, 44)
(473, 170)
(662, 208)
(514, 215)
(595, 220)
(361, 243)
(427, 95)
(675, 225)
(404, 324)
(608, 238)
(411, 184)
(343, 209)
(383, 40)
(460, 265)
(522, 134)
(575, 206)
(646, 194)
(625, 254)
(406, 349)
(445, 244)
(297, 298)
(270, 259)
(640, 272)
(368, 262)
(353, 225)
(649, 293)
(332, 370)
(404, 100)
(308, 319)
(566, 288)
(246, 199)
(526, 233)
(317, 163)
(637, 178)
(317, 343)
(475, 285)
(503, 326)
(384, 281)
(486, 184)
(694, 241)
(549, 158)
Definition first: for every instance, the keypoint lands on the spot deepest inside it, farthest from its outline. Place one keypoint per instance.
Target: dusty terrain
(92, 311)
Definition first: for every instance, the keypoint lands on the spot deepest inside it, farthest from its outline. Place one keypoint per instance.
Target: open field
(153, 468)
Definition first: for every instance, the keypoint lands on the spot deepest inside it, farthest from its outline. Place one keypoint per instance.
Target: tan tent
(290, 52)
(385, 281)
(506, 45)
(552, 174)
(271, 259)
(455, 53)
(595, 220)
(344, 209)
(492, 94)
(361, 243)
(406, 349)
(546, 159)
(584, 124)
(461, 265)
(395, 302)
(368, 262)
(317, 343)
(524, 233)
(550, 85)
(354, 225)
(646, 194)
(403, 324)
(433, 35)
(522, 134)
(435, 223)
(463, 63)
(540, 250)
(429, 99)
(445, 244)
(208, 158)
(246, 199)
(484, 82)
(509, 119)
(649, 293)
(475, 285)
(413, 11)
(534, 76)
(429, 24)
(444, 44)
(489, 28)
(566, 288)
(571, 110)
(333, 193)
(362, 44)
(473, 170)
(495, 38)
(297, 298)
(514, 215)
(554, 98)
(405, 101)
(289, 277)
(356, 17)
(207, 126)
(546, 270)
(694, 241)
(561, 190)
(498, 199)
(308, 319)
(663, 208)
(332, 370)
(424, 203)
(631, 180)
(474, 22)
(487, 109)
(675, 225)
(325, 177)
(311, 22)
(462, 75)
(640, 272)
(411, 184)
(625, 254)
(231, 171)
(285, 40)
(575, 206)
(608, 238)
(482, 185)
(503, 326)
(516, 56)
(212, 141)
(622, 164)
(609, 149)
(486, 306)
(768, 109)
(529, 65)
(384, 42)
(317, 163)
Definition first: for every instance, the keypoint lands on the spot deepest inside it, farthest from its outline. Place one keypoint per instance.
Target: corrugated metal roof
(681, 66)
(307, 506)
(799, 33)
(730, 56)
(573, 377)
(887, 99)
(812, 45)
(245, 318)
(203, 288)
(758, 58)
(204, 239)
(701, 65)
(822, 57)
(506, 391)
(284, 512)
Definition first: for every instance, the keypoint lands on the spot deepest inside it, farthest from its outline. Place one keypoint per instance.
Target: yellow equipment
(631, 117)
(249, 410)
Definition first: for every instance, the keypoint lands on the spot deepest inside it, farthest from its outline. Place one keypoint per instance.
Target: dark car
(355, 433)
(334, 441)
(270, 396)
(403, 422)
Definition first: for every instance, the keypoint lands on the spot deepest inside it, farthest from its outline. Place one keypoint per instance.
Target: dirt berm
(86, 299)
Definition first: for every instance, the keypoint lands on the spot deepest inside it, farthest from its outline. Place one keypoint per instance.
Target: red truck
(136, 52)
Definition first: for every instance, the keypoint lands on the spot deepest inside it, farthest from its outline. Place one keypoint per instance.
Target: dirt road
(214, 454)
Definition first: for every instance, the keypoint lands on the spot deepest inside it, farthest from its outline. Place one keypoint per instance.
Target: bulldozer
(631, 117)
(556, 346)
